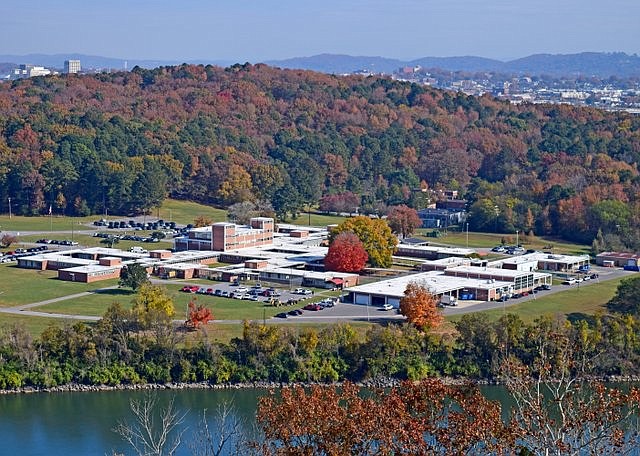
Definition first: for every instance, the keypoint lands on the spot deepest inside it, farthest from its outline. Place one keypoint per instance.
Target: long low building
(543, 261)
(617, 259)
(462, 282)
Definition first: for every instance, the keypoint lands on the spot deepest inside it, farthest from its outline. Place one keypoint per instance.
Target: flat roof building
(72, 66)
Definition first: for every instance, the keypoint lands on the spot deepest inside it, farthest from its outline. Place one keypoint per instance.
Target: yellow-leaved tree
(152, 305)
(375, 235)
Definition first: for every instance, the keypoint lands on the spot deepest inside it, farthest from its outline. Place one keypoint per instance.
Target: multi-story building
(72, 66)
(224, 236)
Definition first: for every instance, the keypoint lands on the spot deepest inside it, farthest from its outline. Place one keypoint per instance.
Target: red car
(314, 307)
(189, 289)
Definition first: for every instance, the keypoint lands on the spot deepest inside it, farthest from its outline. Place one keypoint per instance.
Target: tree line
(122, 142)
(143, 346)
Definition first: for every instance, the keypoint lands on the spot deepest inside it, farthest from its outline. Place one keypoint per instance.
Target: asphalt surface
(342, 312)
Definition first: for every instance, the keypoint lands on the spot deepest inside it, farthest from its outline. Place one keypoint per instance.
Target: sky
(260, 30)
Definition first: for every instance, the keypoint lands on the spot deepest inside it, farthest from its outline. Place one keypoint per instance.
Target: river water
(81, 423)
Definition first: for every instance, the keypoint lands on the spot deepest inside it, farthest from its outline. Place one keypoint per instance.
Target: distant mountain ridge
(601, 64)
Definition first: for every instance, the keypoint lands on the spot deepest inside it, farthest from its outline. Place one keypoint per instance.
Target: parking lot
(292, 301)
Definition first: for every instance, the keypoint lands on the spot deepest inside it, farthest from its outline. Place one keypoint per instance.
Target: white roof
(91, 268)
(436, 249)
(435, 281)
(489, 271)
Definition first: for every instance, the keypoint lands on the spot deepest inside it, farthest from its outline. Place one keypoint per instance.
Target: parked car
(189, 289)
(387, 307)
(498, 249)
(546, 287)
(302, 291)
(217, 293)
(241, 290)
(282, 315)
(295, 312)
(314, 307)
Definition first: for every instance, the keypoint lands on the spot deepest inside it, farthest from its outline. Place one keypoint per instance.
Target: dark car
(282, 315)
(295, 312)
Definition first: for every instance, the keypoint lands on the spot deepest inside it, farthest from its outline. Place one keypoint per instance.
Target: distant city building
(29, 71)
(72, 66)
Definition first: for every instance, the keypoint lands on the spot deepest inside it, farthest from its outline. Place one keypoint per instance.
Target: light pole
(9, 207)
(467, 234)
(517, 238)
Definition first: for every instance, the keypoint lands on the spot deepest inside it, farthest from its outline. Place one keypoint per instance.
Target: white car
(387, 307)
(302, 291)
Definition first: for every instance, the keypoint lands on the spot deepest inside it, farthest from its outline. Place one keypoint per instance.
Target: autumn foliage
(420, 307)
(346, 254)
(403, 220)
(198, 315)
(429, 417)
(375, 235)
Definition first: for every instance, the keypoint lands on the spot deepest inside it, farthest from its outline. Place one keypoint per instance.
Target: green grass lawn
(485, 240)
(34, 325)
(184, 212)
(46, 223)
(574, 301)
(85, 240)
(24, 286)
(320, 220)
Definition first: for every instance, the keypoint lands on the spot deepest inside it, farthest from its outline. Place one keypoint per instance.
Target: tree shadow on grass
(115, 292)
(575, 317)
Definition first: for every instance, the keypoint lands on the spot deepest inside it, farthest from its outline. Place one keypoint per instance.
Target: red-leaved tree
(403, 220)
(346, 254)
(198, 315)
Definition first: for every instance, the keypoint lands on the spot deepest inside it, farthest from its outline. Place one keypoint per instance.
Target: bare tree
(152, 435)
(558, 410)
(228, 438)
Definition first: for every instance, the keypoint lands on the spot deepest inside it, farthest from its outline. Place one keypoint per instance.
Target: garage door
(362, 299)
(395, 302)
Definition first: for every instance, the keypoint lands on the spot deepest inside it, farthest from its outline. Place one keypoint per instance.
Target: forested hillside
(125, 141)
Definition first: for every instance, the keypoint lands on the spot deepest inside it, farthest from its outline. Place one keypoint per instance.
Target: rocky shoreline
(383, 382)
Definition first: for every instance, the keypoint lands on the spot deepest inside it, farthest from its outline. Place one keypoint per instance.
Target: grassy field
(320, 220)
(573, 302)
(184, 212)
(485, 240)
(34, 325)
(45, 223)
(23, 286)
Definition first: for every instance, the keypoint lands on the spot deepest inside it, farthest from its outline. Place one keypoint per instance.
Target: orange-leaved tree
(420, 307)
(346, 254)
(428, 417)
(198, 315)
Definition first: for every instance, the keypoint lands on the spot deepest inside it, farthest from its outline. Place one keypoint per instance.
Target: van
(137, 249)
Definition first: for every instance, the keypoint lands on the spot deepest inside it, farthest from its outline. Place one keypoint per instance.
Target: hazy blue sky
(256, 30)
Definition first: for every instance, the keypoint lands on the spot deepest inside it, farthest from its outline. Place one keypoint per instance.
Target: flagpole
(50, 219)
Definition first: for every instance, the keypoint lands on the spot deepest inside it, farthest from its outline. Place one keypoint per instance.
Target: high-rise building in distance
(71, 66)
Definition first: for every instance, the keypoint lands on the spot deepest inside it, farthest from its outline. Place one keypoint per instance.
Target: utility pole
(9, 207)
(517, 238)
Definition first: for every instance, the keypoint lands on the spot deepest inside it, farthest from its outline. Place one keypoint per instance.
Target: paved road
(342, 312)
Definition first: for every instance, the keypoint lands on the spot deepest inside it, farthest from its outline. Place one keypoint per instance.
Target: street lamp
(467, 234)
(9, 206)
(517, 238)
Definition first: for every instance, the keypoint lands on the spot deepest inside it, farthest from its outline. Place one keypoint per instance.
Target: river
(81, 423)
